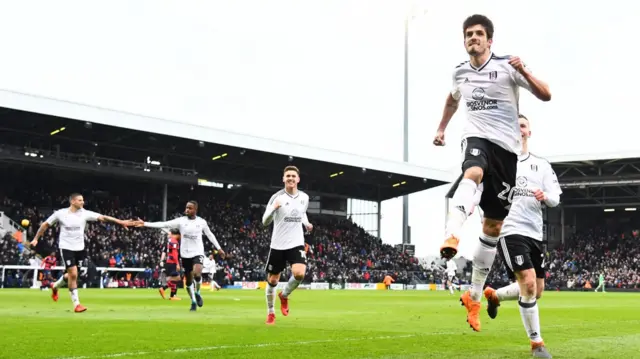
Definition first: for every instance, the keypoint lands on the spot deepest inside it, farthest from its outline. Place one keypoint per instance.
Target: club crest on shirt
(521, 181)
(519, 260)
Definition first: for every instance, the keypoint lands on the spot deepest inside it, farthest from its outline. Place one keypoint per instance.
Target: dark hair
(193, 203)
(292, 168)
(175, 231)
(73, 196)
(478, 20)
(523, 116)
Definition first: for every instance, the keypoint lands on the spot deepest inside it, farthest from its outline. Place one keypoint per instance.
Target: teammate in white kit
(452, 267)
(191, 247)
(489, 87)
(72, 222)
(520, 244)
(211, 268)
(287, 209)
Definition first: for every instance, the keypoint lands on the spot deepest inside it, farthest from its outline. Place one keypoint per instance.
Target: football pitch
(123, 323)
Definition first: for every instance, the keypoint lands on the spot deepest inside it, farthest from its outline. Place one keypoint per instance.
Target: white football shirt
(491, 95)
(287, 220)
(451, 267)
(209, 266)
(72, 225)
(190, 234)
(525, 215)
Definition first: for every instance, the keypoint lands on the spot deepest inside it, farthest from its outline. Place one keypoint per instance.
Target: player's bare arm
(450, 108)
(174, 223)
(125, 224)
(40, 233)
(539, 88)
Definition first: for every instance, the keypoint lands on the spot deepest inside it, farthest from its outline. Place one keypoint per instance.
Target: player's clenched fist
(439, 139)
(276, 204)
(517, 64)
(540, 196)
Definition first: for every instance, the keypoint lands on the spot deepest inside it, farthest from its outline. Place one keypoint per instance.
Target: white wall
(328, 75)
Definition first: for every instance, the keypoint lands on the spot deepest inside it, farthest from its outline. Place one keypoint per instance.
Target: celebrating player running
(521, 240)
(287, 208)
(72, 222)
(191, 247)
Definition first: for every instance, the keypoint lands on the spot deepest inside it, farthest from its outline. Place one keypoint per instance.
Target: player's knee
(473, 171)
(197, 278)
(529, 286)
(491, 227)
(298, 276)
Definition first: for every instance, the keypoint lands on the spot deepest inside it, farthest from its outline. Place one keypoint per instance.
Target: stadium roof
(123, 151)
(602, 181)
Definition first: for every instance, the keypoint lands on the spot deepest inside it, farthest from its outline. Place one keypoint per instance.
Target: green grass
(322, 324)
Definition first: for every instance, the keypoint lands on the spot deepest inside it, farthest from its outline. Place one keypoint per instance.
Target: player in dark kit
(48, 263)
(172, 265)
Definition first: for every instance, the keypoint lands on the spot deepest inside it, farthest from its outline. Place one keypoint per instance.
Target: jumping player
(190, 227)
(172, 265)
(489, 87)
(520, 244)
(72, 222)
(287, 208)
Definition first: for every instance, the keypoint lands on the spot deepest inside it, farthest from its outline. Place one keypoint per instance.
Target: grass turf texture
(123, 323)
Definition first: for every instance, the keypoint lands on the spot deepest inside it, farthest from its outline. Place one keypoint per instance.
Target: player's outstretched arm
(103, 218)
(174, 223)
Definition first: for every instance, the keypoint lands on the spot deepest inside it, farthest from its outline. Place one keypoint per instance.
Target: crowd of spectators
(338, 250)
(579, 262)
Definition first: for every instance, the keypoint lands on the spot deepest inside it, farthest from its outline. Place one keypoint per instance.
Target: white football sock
(291, 286)
(530, 317)
(74, 296)
(270, 291)
(510, 292)
(463, 203)
(191, 291)
(483, 257)
(60, 282)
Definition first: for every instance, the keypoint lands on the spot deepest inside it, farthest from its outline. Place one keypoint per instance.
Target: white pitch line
(245, 346)
(264, 345)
